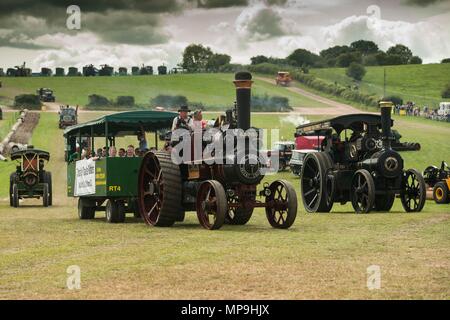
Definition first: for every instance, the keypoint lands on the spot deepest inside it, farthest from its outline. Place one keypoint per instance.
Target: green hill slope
(215, 90)
(419, 83)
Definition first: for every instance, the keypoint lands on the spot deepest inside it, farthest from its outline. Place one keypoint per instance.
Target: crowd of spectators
(411, 109)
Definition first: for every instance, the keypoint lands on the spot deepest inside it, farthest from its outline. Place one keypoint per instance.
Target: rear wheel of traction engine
(283, 211)
(441, 193)
(85, 212)
(115, 211)
(15, 195)
(238, 216)
(45, 195)
(313, 182)
(384, 202)
(329, 183)
(48, 180)
(160, 189)
(211, 204)
(362, 191)
(413, 193)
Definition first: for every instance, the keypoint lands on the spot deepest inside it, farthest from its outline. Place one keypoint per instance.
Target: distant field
(323, 256)
(215, 90)
(419, 83)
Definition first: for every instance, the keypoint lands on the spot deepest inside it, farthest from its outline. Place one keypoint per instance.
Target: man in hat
(182, 120)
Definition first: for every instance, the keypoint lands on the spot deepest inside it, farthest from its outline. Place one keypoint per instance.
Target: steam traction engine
(357, 163)
(219, 192)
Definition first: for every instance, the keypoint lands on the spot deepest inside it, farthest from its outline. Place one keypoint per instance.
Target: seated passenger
(112, 152)
(122, 153)
(137, 152)
(130, 151)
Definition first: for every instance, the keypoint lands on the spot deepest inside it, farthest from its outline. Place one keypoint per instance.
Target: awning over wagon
(123, 123)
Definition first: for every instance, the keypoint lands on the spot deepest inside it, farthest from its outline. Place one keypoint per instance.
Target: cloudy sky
(132, 32)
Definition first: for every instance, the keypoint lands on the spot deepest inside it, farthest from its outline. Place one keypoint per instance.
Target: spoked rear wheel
(413, 195)
(211, 205)
(313, 183)
(160, 190)
(281, 204)
(362, 191)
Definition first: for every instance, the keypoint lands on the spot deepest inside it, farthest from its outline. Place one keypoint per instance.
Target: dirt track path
(336, 108)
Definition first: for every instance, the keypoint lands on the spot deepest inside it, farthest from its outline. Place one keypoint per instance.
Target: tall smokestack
(243, 82)
(386, 122)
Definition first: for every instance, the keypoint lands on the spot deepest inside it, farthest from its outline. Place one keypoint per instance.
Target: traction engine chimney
(386, 122)
(243, 82)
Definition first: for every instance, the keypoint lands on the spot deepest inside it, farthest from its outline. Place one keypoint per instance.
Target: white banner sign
(84, 177)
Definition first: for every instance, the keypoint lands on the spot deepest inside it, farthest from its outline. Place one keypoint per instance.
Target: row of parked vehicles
(352, 158)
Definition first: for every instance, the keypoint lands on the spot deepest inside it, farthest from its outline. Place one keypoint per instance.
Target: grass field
(419, 83)
(215, 90)
(321, 256)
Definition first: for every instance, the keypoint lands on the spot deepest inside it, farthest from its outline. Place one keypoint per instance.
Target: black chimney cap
(243, 75)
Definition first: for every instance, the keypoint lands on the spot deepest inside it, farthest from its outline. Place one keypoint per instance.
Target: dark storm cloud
(128, 27)
(219, 3)
(265, 24)
(45, 8)
(120, 21)
(423, 3)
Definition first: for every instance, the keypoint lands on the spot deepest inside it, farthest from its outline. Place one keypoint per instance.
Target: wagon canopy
(123, 123)
(354, 122)
(30, 153)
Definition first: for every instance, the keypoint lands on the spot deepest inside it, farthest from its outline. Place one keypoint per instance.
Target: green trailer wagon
(108, 183)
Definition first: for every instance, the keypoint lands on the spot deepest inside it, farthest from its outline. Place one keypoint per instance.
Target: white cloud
(86, 48)
(425, 38)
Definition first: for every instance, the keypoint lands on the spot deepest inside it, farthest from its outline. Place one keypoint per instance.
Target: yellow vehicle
(439, 180)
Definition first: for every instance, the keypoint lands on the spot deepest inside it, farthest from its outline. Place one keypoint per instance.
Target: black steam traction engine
(219, 193)
(357, 163)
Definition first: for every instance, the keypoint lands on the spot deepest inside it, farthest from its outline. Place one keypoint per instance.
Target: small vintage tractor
(283, 78)
(30, 180)
(45, 95)
(357, 163)
(219, 191)
(68, 116)
(439, 180)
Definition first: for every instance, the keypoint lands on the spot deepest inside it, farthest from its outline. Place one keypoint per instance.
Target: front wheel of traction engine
(160, 189)
(362, 191)
(15, 196)
(238, 215)
(281, 204)
(211, 204)
(414, 190)
(45, 195)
